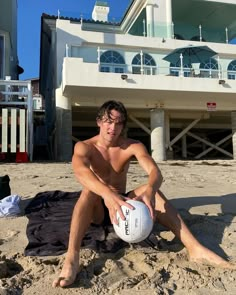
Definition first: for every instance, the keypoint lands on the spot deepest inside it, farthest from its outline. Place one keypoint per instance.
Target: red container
(22, 157)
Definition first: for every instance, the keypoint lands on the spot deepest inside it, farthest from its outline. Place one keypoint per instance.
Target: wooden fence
(16, 117)
(13, 132)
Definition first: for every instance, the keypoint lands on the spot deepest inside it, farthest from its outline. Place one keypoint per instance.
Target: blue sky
(29, 18)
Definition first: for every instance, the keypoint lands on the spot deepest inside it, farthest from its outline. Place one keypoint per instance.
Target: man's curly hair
(110, 105)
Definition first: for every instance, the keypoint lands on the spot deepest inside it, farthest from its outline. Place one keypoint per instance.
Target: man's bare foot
(206, 256)
(68, 273)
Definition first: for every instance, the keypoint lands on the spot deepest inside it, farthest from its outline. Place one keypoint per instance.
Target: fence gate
(16, 117)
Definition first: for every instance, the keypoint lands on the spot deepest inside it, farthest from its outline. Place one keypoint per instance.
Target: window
(112, 61)
(232, 70)
(149, 65)
(1, 56)
(175, 69)
(105, 69)
(209, 69)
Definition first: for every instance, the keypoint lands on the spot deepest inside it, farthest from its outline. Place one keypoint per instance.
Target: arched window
(232, 70)
(209, 69)
(112, 61)
(145, 63)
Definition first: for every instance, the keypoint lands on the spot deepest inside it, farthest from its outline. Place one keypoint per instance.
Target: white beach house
(178, 109)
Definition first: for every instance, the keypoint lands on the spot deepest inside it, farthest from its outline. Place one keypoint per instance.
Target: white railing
(216, 72)
(16, 117)
(170, 71)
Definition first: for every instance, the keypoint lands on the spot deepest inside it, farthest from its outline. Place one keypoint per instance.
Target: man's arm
(154, 175)
(81, 166)
(148, 164)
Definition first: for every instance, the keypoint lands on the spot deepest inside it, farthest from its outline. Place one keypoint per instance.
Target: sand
(204, 193)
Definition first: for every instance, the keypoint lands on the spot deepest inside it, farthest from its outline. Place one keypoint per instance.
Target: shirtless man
(101, 165)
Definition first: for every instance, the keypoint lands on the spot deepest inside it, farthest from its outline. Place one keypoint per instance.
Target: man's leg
(168, 216)
(87, 209)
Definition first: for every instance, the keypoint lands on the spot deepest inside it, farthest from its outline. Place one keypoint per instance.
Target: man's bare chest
(112, 164)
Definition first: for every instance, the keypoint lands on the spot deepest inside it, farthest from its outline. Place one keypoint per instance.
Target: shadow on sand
(208, 229)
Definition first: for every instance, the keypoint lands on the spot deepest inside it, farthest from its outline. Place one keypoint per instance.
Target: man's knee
(96, 202)
(90, 197)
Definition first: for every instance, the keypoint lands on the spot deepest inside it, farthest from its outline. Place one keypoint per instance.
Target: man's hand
(148, 198)
(114, 206)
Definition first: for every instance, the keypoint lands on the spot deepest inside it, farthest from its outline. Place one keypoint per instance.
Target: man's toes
(63, 282)
(56, 283)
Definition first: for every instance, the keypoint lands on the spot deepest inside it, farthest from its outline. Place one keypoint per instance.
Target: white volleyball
(137, 225)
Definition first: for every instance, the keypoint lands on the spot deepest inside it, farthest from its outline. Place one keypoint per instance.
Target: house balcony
(150, 87)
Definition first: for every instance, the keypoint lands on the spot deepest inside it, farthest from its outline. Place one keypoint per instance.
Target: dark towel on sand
(48, 227)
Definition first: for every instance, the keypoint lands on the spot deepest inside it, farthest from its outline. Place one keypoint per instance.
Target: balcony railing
(167, 71)
(210, 69)
(199, 32)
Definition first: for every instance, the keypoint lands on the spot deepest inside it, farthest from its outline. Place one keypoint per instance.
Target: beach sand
(203, 191)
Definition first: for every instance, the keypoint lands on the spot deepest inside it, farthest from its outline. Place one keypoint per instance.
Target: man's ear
(98, 123)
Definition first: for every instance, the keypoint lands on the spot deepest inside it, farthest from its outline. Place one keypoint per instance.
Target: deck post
(158, 134)
(63, 127)
(233, 122)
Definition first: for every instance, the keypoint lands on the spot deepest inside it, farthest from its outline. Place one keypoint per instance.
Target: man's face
(111, 126)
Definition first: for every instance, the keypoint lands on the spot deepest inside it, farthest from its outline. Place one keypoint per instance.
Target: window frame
(208, 68)
(231, 72)
(149, 64)
(112, 64)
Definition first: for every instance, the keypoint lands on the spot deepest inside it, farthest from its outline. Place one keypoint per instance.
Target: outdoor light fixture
(222, 82)
(124, 77)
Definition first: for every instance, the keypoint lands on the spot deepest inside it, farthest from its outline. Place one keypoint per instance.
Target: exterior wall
(184, 93)
(8, 29)
(129, 46)
(48, 73)
(35, 86)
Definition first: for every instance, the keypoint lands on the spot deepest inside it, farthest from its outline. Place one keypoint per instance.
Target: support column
(158, 135)
(233, 122)
(184, 146)
(150, 18)
(162, 18)
(63, 127)
(169, 150)
(169, 18)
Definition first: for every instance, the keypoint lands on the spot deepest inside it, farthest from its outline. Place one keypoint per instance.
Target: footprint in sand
(7, 236)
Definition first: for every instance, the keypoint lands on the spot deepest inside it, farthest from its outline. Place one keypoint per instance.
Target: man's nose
(113, 126)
